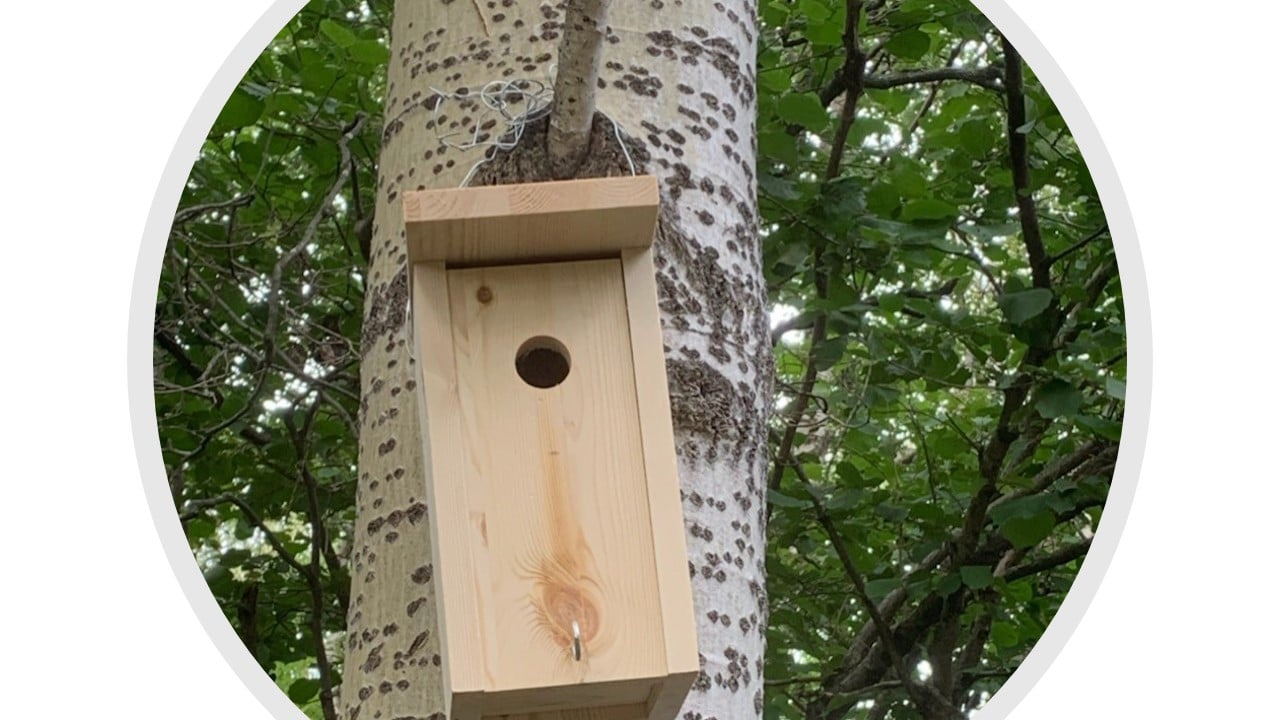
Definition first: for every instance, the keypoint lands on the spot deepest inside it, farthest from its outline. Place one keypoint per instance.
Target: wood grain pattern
(634, 711)
(553, 505)
(666, 515)
(567, 536)
(620, 697)
(460, 602)
(536, 221)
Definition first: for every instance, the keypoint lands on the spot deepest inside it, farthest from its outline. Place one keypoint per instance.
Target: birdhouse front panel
(558, 541)
(551, 441)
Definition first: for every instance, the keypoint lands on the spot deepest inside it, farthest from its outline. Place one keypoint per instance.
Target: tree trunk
(678, 79)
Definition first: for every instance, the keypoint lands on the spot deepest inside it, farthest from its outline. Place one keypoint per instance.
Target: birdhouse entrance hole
(543, 362)
(558, 540)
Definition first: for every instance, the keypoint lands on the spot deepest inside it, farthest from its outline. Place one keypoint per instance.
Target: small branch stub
(578, 69)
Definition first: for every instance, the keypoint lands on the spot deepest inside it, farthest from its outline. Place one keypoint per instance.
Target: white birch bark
(678, 76)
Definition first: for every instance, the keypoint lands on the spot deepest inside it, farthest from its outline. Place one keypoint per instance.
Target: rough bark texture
(678, 79)
(577, 71)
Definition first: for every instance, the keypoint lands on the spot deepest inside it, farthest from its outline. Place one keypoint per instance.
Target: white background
(95, 96)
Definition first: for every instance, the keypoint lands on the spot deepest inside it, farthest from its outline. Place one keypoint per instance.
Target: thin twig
(987, 77)
(195, 211)
(1079, 244)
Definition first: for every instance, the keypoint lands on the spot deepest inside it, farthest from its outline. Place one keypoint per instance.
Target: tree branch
(1053, 560)
(274, 302)
(987, 77)
(194, 508)
(852, 70)
(247, 618)
(195, 211)
(1017, 117)
(1081, 243)
(171, 346)
(1057, 468)
(319, 540)
(926, 697)
(573, 104)
(971, 654)
(852, 75)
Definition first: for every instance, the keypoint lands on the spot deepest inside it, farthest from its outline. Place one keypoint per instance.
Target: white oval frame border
(1137, 401)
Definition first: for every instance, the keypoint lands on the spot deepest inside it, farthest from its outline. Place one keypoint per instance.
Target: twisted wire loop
(513, 105)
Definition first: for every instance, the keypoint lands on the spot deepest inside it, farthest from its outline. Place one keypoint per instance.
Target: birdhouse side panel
(665, 503)
(460, 606)
(551, 442)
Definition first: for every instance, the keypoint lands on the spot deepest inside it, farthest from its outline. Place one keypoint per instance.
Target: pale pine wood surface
(666, 514)
(616, 712)
(547, 220)
(618, 698)
(460, 601)
(566, 525)
(550, 505)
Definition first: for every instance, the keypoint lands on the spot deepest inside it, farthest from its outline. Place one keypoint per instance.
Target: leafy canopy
(950, 365)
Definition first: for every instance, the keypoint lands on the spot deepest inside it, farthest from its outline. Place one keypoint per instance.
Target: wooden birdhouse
(562, 581)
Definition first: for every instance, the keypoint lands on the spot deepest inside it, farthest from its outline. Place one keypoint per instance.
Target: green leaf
(1022, 305)
(814, 11)
(827, 33)
(1004, 634)
(1058, 398)
(803, 109)
(241, 110)
(977, 577)
(1023, 507)
(200, 528)
(947, 584)
(774, 13)
(776, 81)
(892, 302)
(777, 498)
(1115, 388)
(882, 199)
(778, 146)
(369, 52)
(1021, 591)
(341, 36)
(976, 137)
(894, 101)
(216, 574)
(303, 690)
(1024, 532)
(850, 475)
(864, 559)
(842, 198)
(878, 589)
(926, 513)
(909, 44)
(1102, 427)
(892, 513)
(830, 352)
(929, 209)
(777, 187)
(844, 500)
